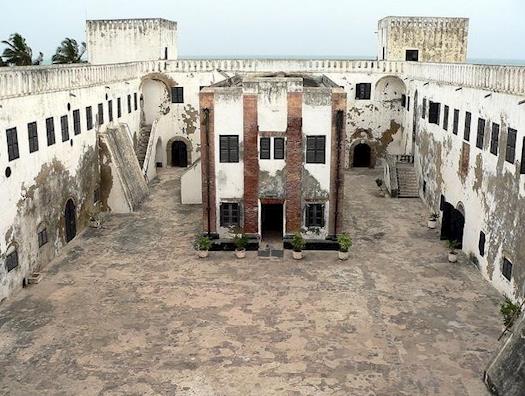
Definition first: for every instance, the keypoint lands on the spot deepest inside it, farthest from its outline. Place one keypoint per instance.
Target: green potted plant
(345, 243)
(510, 312)
(452, 253)
(240, 241)
(202, 245)
(432, 221)
(298, 244)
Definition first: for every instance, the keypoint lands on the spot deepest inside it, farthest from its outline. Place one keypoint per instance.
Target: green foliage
(240, 241)
(18, 53)
(345, 242)
(509, 311)
(298, 242)
(69, 52)
(453, 245)
(202, 242)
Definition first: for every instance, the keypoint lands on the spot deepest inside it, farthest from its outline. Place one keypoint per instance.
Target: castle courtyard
(129, 309)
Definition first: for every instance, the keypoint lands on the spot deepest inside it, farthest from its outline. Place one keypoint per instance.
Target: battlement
(424, 22)
(130, 23)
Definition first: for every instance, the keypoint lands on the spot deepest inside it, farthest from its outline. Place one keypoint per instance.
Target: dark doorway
(362, 156)
(179, 154)
(71, 220)
(412, 55)
(272, 222)
(452, 224)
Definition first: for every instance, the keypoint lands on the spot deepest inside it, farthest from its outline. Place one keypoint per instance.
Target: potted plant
(510, 312)
(345, 243)
(452, 254)
(379, 183)
(202, 245)
(240, 241)
(432, 221)
(298, 244)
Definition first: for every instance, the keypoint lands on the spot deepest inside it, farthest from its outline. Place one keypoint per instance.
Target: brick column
(294, 162)
(337, 163)
(251, 165)
(208, 162)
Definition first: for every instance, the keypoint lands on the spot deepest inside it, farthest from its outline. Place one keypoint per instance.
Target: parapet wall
(21, 81)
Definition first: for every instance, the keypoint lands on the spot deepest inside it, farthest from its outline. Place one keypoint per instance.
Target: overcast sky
(246, 28)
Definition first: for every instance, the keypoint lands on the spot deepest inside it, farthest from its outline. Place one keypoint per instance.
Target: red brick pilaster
(337, 163)
(251, 165)
(208, 162)
(294, 162)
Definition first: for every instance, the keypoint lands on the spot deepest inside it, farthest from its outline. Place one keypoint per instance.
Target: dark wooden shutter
(445, 118)
(89, 118)
(480, 137)
(278, 148)
(455, 126)
(76, 122)
(494, 139)
(511, 145)
(434, 112)
(234, 148)
(64, 125)
(100, 114)
(468, 118)
(33, 137)
(265, 148)
(50, 130)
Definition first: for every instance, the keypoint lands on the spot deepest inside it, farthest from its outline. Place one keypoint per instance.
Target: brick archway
(189, 149)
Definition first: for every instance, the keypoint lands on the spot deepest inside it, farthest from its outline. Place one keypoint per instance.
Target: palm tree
(18, 53)
(69, 52)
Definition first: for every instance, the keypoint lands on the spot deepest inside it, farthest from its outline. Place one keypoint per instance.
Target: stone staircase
(142, 144)
(407, 181)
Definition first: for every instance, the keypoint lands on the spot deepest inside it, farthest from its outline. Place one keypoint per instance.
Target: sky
(271, 28)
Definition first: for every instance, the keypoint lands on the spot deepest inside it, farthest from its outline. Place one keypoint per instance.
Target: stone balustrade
(31, 80)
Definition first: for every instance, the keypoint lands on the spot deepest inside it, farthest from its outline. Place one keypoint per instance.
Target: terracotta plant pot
(240, 253)
(203, 253)
(343, 255)
(432, 224)
(452, 257)
(297, 255)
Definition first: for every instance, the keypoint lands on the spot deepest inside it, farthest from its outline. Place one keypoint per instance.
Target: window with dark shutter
(177, 95)
(510, 154)
(455, 126)
(506, 269)
(11, 261)
(32, 134)
(42, 237)
(315, 149)
(408, 103)
(466, 132)
(445, 118)
(480, 137)
(434, 109)
(481, 244)
(89, 118)
(230, 215)
(522, 163)
(424, 108)
(229, 148)
(314, 215)
(278, 148)
(403, 100)
(265, 147)
(136, 101)
(129, 104)
(12, 144)
(494, 139)
(50, 130)
(110, 110)
(100, 115)
(119, 108)
(76, 122)
(64, 126)
(363, 91)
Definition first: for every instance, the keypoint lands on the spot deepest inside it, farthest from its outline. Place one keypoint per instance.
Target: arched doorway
(453, 224)
(70, 220)
(362, 156)
(179, 154)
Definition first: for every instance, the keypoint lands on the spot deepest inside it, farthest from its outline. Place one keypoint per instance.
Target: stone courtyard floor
(129, 310)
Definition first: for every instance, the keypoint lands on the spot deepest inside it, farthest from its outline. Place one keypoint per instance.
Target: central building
(272, 156)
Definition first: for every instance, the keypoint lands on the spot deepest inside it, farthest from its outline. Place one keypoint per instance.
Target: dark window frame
(119, 107)
(229, 148)
(522, 162)
(424, 108)
(230, 214)
(77, 127)
(412, 55)
(89, 118)
(64, 127)
(110, 110)
(494, 138)
(42, 237)
(468, 123)
(13, 150)
(177, 94)
(434, 112)
(403, 100)
(129, 104)
(32, 136)
(265, 148)
(315, 149)
(506, 269)
(11, 261)
(481, 243)
(363, 91)
(278, 148)
(50, 131)
(100, 114)
(136, 102)
(480, 136)
(510, 152)
(446, 111)
(455, 122)
(314, 215)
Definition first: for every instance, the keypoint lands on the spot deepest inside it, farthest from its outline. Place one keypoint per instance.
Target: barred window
(76, 122)
(42, 236)
(50, 130)
(278, 148)
(494, 139)
(177, 95)
(506, 269)
(11, 261)
(466, 132)
(481, 133)
(89, 118)
(12, 144)
(315, 149)
(230, 214)
(510, 154)
(229, 148)
(264, 143)
(32, 134)
(314, 216)
(363, 91)
(64, 125)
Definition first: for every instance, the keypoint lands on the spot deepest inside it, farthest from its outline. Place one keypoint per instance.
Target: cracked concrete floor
(129, 310)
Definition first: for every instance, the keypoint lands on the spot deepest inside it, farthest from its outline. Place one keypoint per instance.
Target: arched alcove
(179, 152)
